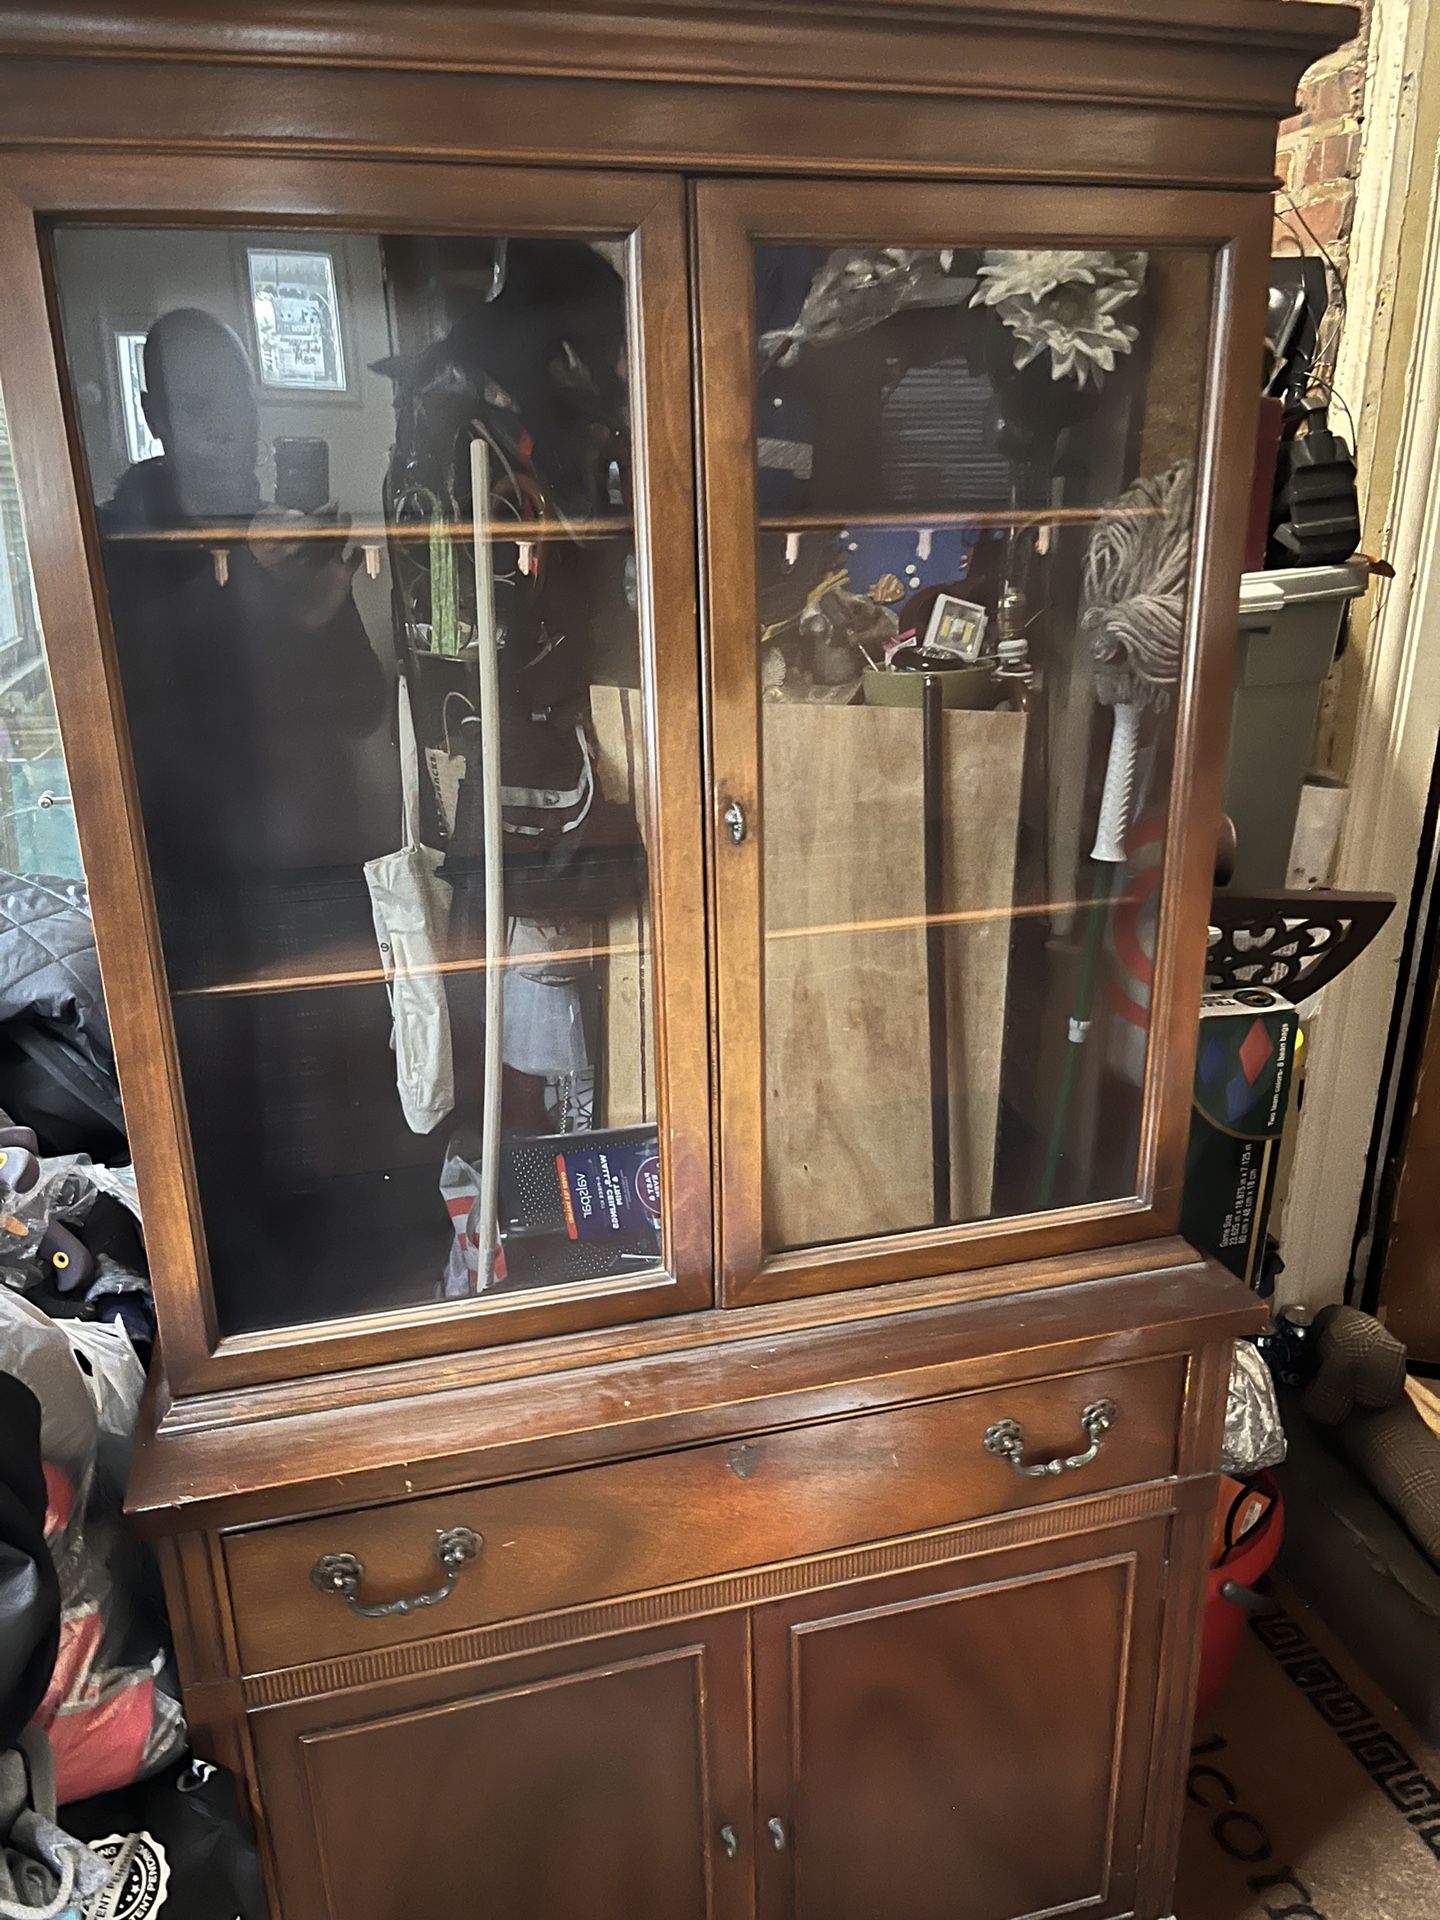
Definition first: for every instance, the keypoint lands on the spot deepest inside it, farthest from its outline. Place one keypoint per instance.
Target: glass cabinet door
(956, 476)
(379, 512)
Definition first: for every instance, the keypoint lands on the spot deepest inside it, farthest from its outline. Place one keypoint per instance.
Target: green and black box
(1243, 1070)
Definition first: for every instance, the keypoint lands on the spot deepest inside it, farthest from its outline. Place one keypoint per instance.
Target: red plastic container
(1225, 1617)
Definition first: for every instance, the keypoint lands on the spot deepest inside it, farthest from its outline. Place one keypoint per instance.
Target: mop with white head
(1136, 571)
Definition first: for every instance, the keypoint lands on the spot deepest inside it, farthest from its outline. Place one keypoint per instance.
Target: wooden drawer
(599, 1532)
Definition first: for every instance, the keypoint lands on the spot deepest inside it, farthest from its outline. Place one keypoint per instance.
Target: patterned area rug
(1309, 1797)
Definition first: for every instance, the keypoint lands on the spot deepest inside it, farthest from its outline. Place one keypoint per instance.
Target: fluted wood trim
(752, 1587)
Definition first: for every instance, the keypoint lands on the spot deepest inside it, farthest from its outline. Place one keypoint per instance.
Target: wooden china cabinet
(659, 1125)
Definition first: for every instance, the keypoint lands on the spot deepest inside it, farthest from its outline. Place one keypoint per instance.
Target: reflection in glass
(297, 320)
(374, 610)
(140, 442)
(975, 473)
(37, 820)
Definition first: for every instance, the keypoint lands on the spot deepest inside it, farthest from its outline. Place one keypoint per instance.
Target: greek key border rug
(1309, 1797)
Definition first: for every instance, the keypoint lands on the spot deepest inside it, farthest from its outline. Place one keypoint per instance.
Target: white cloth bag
(411, 906)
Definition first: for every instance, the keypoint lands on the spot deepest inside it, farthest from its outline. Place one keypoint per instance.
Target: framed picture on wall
(295, 308)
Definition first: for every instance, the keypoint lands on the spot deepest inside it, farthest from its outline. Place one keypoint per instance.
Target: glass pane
(365, 509)
(975, 474)
(37, 823)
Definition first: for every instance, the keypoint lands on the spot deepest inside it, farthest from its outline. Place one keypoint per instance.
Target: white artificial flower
(1029, 273)
(1080, 333)
(1063, 303)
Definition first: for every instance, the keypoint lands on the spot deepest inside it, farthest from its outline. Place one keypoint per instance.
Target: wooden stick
(487, 662)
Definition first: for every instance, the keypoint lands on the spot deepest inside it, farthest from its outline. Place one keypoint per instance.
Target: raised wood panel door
(601, 1781)
(967, 1741)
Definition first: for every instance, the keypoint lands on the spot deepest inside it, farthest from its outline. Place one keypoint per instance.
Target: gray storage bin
(1288, 632)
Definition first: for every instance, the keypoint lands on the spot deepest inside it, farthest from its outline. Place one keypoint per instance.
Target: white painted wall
(1389, 372)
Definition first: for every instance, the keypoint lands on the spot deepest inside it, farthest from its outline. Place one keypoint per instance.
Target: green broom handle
(1080, 1014)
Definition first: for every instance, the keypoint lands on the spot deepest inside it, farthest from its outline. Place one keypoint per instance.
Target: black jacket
(57, 1070)
(29, 1591)
(243, 722)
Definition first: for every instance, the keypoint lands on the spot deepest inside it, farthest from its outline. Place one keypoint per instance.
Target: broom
(1136, 572)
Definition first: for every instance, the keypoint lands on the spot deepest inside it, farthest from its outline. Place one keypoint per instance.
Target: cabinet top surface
(432, 33)
(248, 1456)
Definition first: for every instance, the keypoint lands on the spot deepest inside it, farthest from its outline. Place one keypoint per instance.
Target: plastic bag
(40, 1223)
(108, 1717)
(467, 1270)
(29, 1590)
(411, 904)
(60, 1199)
(178, 1847)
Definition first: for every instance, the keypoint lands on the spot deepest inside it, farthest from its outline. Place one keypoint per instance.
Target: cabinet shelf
(920, 922)
(369, 533)
(377, 533)
(321, 979)
(1018, 518)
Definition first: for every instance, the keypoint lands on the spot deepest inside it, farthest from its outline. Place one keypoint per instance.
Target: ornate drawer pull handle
(342, 1573)
(1006, 1439)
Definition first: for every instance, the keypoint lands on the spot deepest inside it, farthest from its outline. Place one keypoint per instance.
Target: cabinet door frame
(719, 1644)
(731, 218)
(217, 192)
(1140, 1549)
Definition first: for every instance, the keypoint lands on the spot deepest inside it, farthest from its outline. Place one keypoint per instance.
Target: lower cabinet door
(965, 1743)
(600, 1780)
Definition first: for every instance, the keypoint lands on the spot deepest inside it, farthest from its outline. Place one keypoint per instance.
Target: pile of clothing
(102, 1811)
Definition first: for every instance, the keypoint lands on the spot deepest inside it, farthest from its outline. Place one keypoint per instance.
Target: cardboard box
(1243, 1070)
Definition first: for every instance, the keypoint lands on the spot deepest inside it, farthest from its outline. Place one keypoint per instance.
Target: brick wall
(1317, 158)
